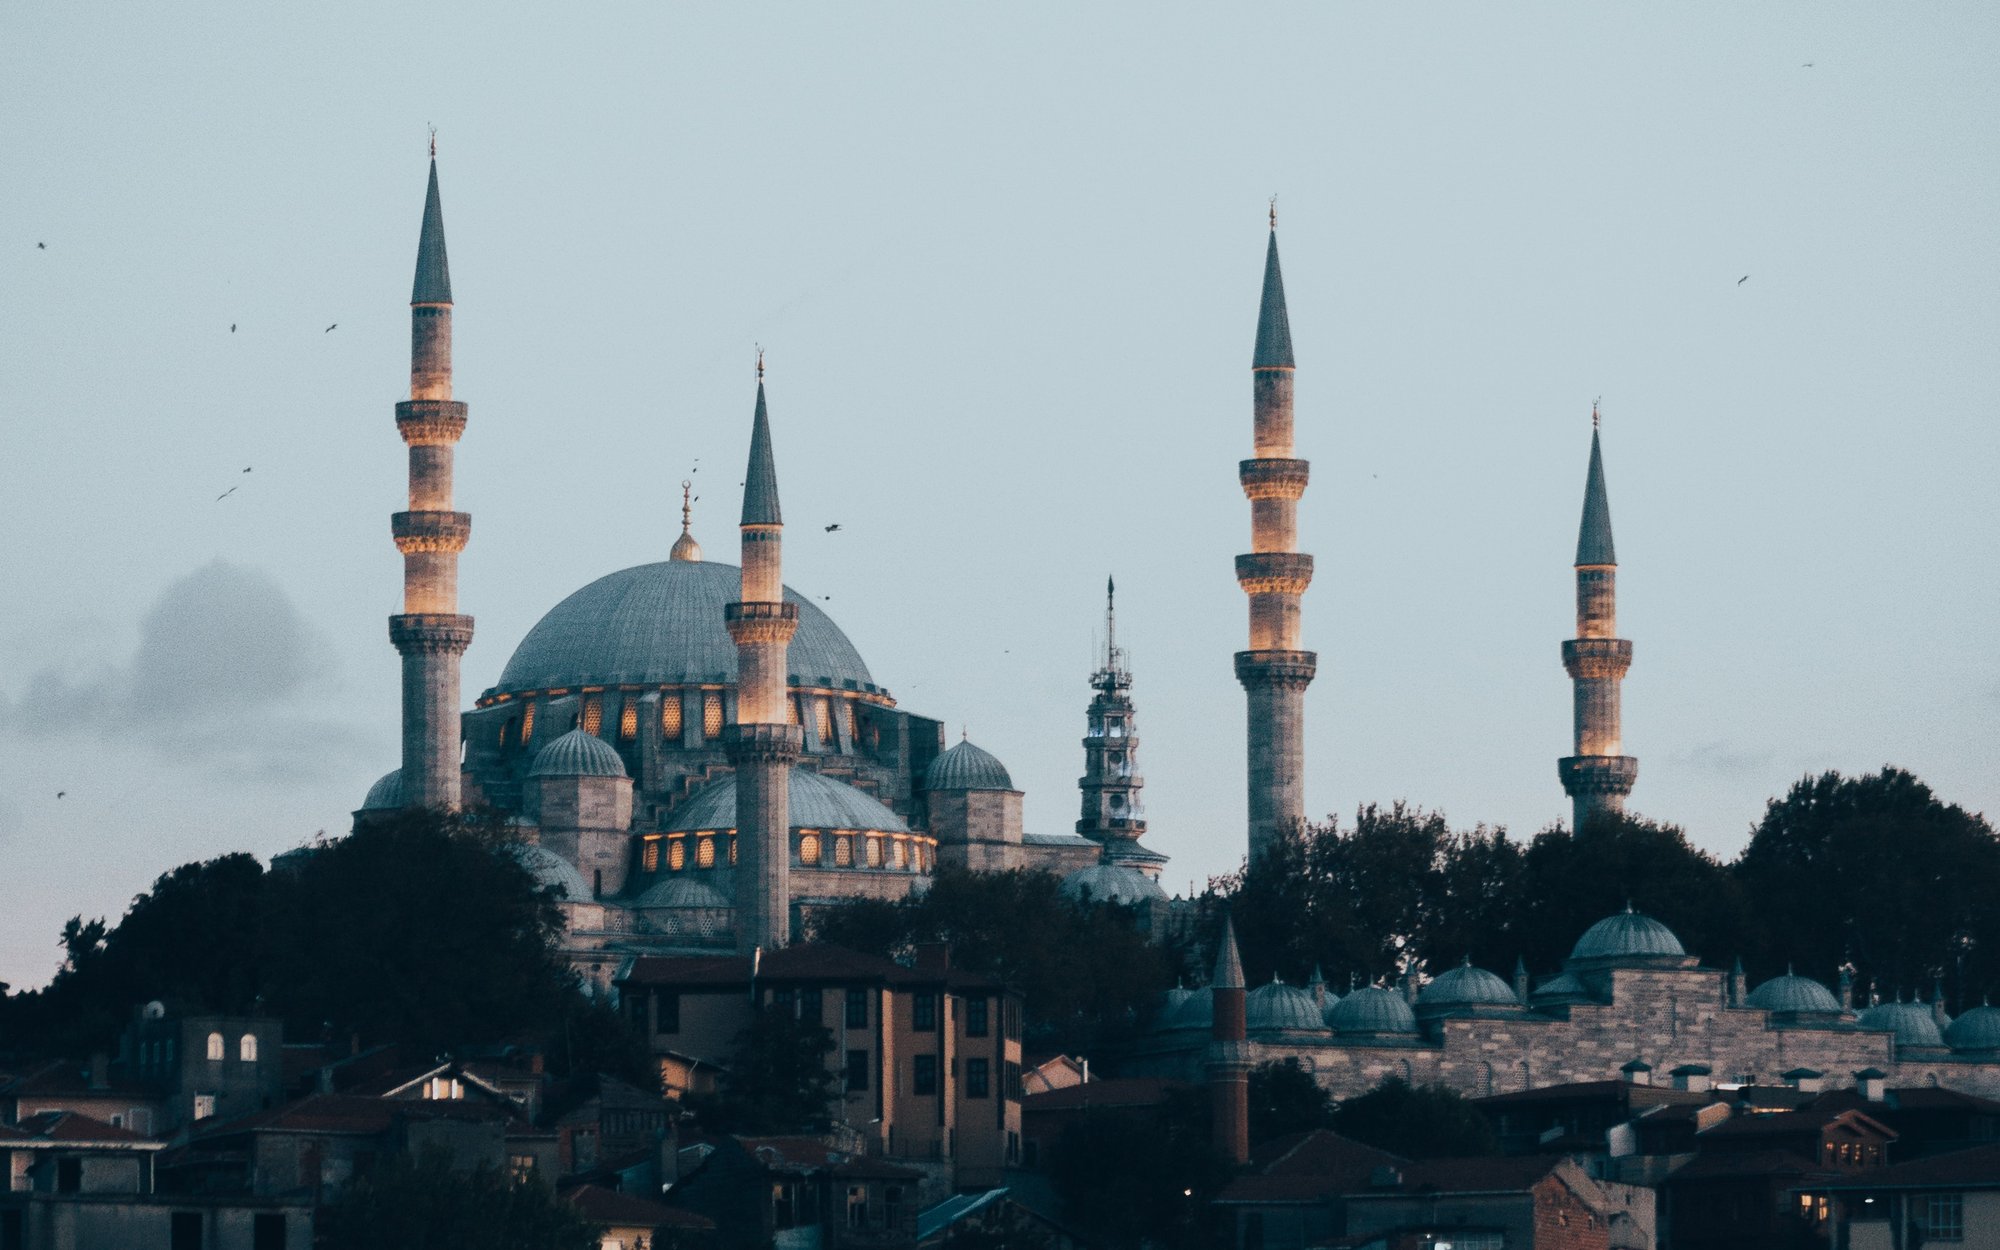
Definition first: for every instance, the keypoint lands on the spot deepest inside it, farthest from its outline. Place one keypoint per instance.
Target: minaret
(1597, 778)
(1112, 813)
(1274, 671)
(1227, 1063)
(763, 744)
(430, 633)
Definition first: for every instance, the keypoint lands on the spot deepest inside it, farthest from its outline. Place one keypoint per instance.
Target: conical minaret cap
(1593, 539)
(433, 284)
(1228, 963)
(1274, 326)
(760, 483)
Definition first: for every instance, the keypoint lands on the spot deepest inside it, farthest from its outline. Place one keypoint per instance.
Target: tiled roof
(1978, 1168)
(1305, 1167)
(609, 1207)
(1130, 1091)
(1511, 1174)
(1749, 1163)
(74, 1128)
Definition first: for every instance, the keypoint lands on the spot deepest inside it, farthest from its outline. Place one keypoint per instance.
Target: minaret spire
(1598, 777)
(685, 547)
(1227, 1062)
(429, 632)
(763, 745)
(1113, 814)
(1275, 671)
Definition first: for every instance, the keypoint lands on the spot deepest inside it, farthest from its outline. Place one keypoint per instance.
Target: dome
(1196, 1011)
(1562, 985)
(682, 892)
(816, 803)
(661, 625)
(1174, 998)
(967, 767)
(1978, 1029)
(1113, 883)
(1467, 986)
(1372, 1010)
(577, 754)
(1913, 1023)
(1283, 1007)
(1792, 993)
(1625, 935)
(386, 795)
(552, 870)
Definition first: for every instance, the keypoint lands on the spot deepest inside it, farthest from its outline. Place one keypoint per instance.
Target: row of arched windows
(520, 730)
(840, 848)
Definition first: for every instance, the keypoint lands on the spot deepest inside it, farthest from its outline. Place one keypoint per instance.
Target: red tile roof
(1978, 1168)
(73, 1127)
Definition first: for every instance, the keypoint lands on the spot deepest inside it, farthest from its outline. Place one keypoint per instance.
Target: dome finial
(434, 142)
(685, 547)
(1596, 422)
(1274, 208)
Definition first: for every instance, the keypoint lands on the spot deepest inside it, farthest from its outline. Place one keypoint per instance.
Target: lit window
(843, 851)
(677, 854)
(670, 716)
(898, 853)
(527, 724)
(823, 718)
(853, 726)
(649, 857)
(520, 1168)
(874, 852)
(215, 1047)
(204, 1104)
(792, 710)
(809, 849)
(732, 850)
(506, 727)
(246, 1048)
(711, 716)
(628, 722)
(593, 715)
(704, 853)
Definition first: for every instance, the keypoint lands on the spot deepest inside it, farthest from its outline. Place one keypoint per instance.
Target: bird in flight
(330, 329)
(1745, 278)
(246, 470)
(1807, 65)
(232, 327)
(43, 247)
(831, 528)
(225, 494)
(60, 793)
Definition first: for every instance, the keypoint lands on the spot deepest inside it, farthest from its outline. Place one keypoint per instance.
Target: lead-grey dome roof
(816, 803)
(1283, 1007)
(1792, 993)
(1196, 1011)
(1978, 1029)
(1113, 883)
(1913, 1022)
(577, 753)
(551, 869)
(1626, 934)
(1372, 1010)
(661, 625)
(683, 892)
(967, 767)
(386, 795)
(1467, 986)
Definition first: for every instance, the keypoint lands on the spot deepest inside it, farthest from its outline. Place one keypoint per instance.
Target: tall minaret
(1112, 814)
(430, 633)
(1227, 1061)
(763, 744)
(1597, 778)
(1274, 671)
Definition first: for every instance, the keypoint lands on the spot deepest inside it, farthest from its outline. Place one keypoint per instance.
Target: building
(1946, 1199)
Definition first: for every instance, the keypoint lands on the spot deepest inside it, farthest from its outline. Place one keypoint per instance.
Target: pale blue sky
(1005, 263)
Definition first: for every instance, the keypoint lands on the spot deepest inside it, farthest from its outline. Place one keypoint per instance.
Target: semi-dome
(1282, 1007)
(1372, 1010)
(662, 625)
(1467, 986)
(386, 795)
(1196, 1011)
(1978, 1029)
(1562, 987)
(577, 753)
(682, 892)
(1793, 994)
(1913, 1023)
(552, 870)
(1626, 935)
(817, 802)
(967, 767)
(1113, 883)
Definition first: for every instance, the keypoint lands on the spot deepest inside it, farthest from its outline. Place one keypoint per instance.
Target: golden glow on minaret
(1599, 776)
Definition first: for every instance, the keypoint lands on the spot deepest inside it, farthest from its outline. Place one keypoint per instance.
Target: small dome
(1978, 1029)
(550, 869)
(1196, 1011)
(577, 754)
(1792, 993)
(1112, 883)
(967, 767)
(1372, 1010)
(816, 802)
(386, 795)
(1913, 1023)
(1282, 1007)
(1562, 985)
(1174, 998)
(1625, 935)
(682, 892)
(1467, 986)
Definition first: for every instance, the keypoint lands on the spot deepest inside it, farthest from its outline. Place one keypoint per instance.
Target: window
(892, 1206)
(649, 858)
(975, 1017)
(977, 1074)
(732, 850)
(267, 1231)
(593, 715)
(792, 710)
(520, 1168)
(246, 1048)
(204, 1106)
(925, 1075)
(857, 1206)
(857, 1071)
(704, 853)
(711, 716)
(809, 849)
(1944, 1217)
(628, 721)
(812, 1004)
(923, 1012)
(1012, 1075)
(853, 730)
(843, 851)
(215, 1047)
(69, 1175)
(527, 724)
(677, 854)
(670, 716)
(823, 718)
(857, 1009)
(668, 1019)
(899, 851)
(874, 852)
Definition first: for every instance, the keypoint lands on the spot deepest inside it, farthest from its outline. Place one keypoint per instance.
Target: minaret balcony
(760, 622)
(1274, 572)
(1596, 658)
(430, 633)
(1597, 774)
(430, 531)
(430, 422)
(1286, 669)
(1273, 478)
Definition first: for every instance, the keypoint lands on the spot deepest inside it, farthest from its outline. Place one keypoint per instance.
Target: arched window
(843, 850)
(704, 853)
(670, 716)
(809, 848)
(823, 718)
(649, 856)
(899, 851)
(215, 1047)
(711, 715)
(246, 1048)
(593, 714)
(527, 724)
(874, 852)
(677, 854)
(628, 722)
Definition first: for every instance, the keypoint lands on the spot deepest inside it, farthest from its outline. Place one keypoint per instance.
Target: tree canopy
(426, 1204)
(777, 1080)
(1416, 1121)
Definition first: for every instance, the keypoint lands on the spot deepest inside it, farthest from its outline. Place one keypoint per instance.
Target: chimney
(1692, 1077)
(1806, 1080)
(1871, 1083)
(1638, 1072)
(1732, 994)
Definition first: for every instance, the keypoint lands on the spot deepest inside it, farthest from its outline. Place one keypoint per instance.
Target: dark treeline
(1873, 871)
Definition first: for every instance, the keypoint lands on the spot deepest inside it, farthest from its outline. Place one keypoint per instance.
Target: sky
(1004, 262)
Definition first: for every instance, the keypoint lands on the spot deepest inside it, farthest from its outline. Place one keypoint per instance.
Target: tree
(1877, 870)
(425, 1204)
(1284, 1098)
(1129, 1178)
(777, 1081)
(1417, 1122)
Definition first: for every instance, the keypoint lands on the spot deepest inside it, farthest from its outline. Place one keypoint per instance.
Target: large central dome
(661, 625)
